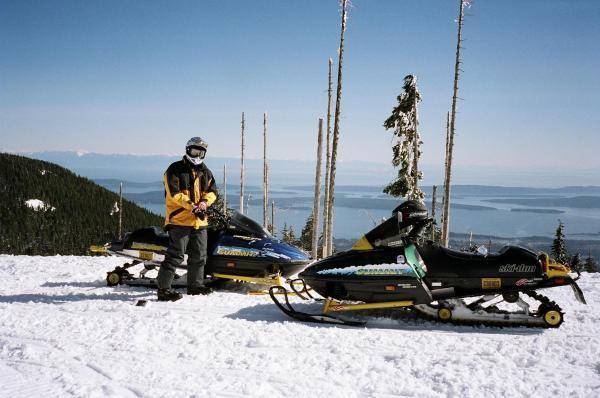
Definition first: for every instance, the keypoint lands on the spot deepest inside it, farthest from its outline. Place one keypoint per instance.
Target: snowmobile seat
(152, 235)
(443, 261)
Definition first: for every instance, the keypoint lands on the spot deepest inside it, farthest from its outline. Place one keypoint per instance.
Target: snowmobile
(239, 249)
(392, 266)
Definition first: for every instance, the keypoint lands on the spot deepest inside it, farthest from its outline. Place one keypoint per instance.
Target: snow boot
(168, 295)
(196, 290)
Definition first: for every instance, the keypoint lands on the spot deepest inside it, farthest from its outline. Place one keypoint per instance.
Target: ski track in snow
(64, 333)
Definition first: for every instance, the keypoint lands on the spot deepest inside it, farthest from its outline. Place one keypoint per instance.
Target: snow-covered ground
(38, 205)
(64, 333)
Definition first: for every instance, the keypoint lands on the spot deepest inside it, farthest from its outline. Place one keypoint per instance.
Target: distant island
(540, 211)
(305, 202)
(577, 202)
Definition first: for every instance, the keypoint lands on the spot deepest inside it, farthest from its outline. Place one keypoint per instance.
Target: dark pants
(180, 240)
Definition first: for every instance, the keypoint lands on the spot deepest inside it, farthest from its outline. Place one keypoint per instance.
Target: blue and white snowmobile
(238, 249)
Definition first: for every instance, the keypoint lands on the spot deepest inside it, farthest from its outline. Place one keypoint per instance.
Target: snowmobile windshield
(242, 224)
(393, 230)
(384, 233)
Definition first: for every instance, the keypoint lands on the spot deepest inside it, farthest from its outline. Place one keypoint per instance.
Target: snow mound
(38, 205)
(63, 332)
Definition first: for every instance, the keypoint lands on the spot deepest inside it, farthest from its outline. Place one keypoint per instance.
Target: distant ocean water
(351, 223)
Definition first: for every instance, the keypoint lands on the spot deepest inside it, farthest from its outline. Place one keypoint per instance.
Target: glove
(200, 211)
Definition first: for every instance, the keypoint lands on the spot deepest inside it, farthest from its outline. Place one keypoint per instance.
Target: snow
(38, 205)
(64, 333)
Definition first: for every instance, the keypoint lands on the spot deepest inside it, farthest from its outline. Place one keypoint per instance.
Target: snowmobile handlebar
(418, 228)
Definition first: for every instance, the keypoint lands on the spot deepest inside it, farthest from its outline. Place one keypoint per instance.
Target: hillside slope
(47, 209)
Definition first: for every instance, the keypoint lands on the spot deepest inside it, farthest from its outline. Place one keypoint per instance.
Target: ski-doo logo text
(516, 268)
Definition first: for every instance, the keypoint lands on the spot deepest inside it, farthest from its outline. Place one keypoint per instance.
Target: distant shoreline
(540, 211)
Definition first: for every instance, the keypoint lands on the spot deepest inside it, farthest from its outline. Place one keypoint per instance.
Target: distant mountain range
(149, 168)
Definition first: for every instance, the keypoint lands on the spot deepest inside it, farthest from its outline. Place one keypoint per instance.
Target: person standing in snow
(189, 191)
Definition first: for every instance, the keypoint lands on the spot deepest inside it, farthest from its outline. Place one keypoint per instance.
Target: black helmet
(195, 150)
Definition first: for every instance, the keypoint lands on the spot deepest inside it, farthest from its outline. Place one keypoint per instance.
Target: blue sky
(144, 76)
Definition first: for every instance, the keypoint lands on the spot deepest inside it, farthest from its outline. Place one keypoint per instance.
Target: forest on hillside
(46, 210)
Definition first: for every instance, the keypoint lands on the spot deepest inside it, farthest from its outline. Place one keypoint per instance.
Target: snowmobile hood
(235, 245)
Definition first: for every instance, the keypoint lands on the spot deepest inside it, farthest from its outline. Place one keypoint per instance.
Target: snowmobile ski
(289, 310)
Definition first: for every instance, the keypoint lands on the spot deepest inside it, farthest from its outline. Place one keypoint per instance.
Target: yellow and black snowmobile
(392, 266)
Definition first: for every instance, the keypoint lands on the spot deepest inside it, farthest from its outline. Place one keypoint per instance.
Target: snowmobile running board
(98, 249)
(275, 279)
(121, 276)
(337, 306)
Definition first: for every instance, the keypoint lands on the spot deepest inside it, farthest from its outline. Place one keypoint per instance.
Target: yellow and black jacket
(186, 186)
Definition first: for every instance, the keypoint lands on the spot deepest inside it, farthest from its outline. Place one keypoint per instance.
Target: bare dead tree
(433, 204)
(273, 217)
(457, 62)
(243, 144)
(265, 173)
(327, 167)
(336, 128)
(443, 215)
(317, 200)
(224, 189)
(121, 210)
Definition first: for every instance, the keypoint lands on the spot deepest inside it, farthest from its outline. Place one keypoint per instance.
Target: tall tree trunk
(452, 123)
(433, 204)
(325, 252)
(265, 173)
(273, 217)
(242, 165)
(443, 216)
(225, 189)
(317, 201)
(121, 210)
(336, 129)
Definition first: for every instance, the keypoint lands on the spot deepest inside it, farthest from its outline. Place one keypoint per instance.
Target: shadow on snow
(406, 322)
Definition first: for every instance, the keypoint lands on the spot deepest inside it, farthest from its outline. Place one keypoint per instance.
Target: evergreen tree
(291, 236)
(558, 249)
(306, 234)
(284, 232)
(288, 235)
(576, 264)
(590, 264)
(433, 231)
(406, 149)
(76, 212)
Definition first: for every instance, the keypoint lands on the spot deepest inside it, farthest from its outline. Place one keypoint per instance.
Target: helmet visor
(196, 152)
